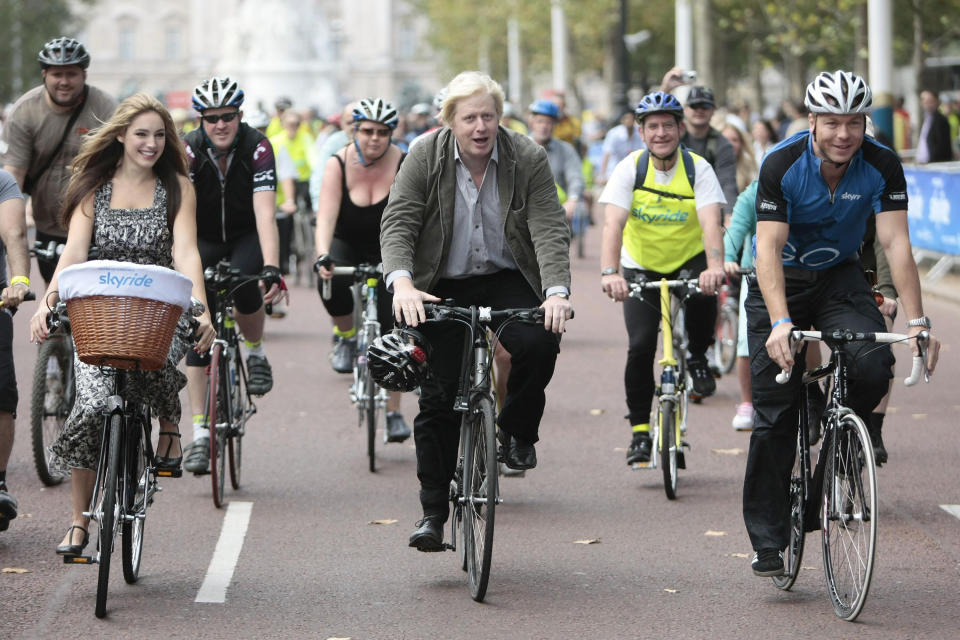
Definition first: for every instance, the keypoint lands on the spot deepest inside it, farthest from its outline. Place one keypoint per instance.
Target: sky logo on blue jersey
(118, 282)
(850, 196)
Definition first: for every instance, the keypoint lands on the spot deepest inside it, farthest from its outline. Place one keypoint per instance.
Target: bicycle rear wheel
(105, 506)
(794, 551)
(849, 516)
(217, 419)
(725, 346)
(481, 494)
(50, 403)
(667, 445)
(136, 494)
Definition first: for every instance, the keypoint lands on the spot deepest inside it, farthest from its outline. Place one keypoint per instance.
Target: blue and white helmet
(217, 92)
(658, 102)
(376, 110)
(840, 92)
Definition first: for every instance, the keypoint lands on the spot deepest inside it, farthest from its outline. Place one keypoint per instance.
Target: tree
(24, 28)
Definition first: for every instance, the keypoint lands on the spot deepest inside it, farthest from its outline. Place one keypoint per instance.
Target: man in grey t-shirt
(14, 239)
(37, 125)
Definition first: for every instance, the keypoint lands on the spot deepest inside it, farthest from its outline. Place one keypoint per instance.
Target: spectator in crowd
(743, 151)
(764, 137)
(620, 141)
(933, 144)
(511, 121)
(902, 131)
(568, 126)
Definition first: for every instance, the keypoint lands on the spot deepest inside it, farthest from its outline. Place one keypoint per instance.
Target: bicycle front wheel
(240, 401)
(667, 423)
(217, 416)
(136, 494)
(794, 552)
(481, 494)
(725, 347)
(50, 403)
(849, 516)
(106, 508)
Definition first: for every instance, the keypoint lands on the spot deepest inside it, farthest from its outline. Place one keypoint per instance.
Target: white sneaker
(278, 310)
(743, 421)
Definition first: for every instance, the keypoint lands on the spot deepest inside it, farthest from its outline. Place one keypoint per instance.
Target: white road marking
(952, 509)
(226, 554)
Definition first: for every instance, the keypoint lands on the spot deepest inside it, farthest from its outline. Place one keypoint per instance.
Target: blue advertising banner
(934, 196)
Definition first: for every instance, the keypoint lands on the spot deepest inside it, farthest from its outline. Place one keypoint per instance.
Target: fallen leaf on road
(738, 555)
(587, 541)
(339, 639)
(670, 590)
(14, 570)
(728, 452)
(596, 412)
(895, 409)
(620, 449)
(711, 532)
(382, 522)
(919, 416)
(809, 568)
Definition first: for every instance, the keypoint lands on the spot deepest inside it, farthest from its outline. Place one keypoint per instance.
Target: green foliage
(39, 21)
(802, 34)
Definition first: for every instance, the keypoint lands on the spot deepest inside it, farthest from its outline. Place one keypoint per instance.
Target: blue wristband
(781, 321)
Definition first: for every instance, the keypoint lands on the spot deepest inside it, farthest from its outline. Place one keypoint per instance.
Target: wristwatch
(922, 321)
(609, 271)
(560, 294)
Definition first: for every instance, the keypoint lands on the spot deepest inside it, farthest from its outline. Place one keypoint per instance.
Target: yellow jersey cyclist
(662, 217)
(233, 171)
(816, 192)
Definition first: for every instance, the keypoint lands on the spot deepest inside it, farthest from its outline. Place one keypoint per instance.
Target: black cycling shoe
(879, 450)
(397, 428)
(767, 563)
(8, 507)
(520, 455)
(704, 384)
(428, 536)
(260, 375)
(640, 448)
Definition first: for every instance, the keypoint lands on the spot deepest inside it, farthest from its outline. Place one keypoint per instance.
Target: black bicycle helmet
(62, 52)
(399, 360)
(658, 102)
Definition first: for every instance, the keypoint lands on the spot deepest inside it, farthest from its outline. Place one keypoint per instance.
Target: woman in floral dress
(130, 196)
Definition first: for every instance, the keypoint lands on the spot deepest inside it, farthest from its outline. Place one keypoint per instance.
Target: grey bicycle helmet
(399, 360)
(217, 92)
(840, 92)
(63, 51)
(375, 110)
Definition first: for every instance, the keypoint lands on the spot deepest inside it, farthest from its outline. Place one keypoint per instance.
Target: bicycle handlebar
(447, 311)
(842, 336)
(361, 272)
(692, 284)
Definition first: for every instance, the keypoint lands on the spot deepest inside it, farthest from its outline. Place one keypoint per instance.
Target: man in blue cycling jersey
(816, 191)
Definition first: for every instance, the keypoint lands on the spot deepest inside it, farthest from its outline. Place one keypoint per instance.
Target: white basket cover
(112, 278)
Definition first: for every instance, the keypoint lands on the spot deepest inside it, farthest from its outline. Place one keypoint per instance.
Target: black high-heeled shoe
(73, 549)
(164, 462)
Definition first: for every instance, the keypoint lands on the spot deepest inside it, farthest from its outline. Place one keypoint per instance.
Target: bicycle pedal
(643, 465)
(78, 560)
(684, 444)
(681, 461)
(448, 547)
(170, 473)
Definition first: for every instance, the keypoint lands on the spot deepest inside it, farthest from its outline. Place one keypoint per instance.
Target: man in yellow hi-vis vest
(662, 218)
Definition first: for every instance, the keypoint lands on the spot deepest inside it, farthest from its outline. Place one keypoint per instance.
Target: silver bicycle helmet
(61, 52)
(217, 92)
(257, 120)
(399, 360)
(375, 110)
(840, 92)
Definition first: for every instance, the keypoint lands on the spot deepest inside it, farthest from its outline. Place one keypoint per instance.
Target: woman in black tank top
(356, 185)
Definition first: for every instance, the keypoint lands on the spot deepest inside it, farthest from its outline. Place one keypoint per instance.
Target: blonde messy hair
(466, 85)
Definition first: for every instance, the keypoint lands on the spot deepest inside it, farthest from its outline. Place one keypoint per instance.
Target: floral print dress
(128, 235)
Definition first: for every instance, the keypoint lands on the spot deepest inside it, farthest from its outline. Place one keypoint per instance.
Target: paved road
(312, 565)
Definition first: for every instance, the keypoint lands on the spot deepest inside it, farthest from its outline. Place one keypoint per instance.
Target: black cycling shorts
(8, 377)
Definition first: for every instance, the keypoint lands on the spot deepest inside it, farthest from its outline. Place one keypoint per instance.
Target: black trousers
(642, 318)
(835, 298)
(533, 351)
(341, 297)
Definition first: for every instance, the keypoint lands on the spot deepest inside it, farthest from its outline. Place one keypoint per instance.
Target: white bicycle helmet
(375, 110)
(257, 120)
(217, 92)
(840, 92)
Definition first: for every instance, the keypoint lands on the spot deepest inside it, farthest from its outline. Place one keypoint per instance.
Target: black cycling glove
(271, 276)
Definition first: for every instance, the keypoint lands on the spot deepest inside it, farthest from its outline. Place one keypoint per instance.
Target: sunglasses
(226, 117)
(368, 131)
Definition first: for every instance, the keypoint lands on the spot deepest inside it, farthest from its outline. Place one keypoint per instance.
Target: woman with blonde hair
(747, 169)
(130, 196)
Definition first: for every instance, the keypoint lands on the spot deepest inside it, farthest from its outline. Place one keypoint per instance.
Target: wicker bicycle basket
(122, 332)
